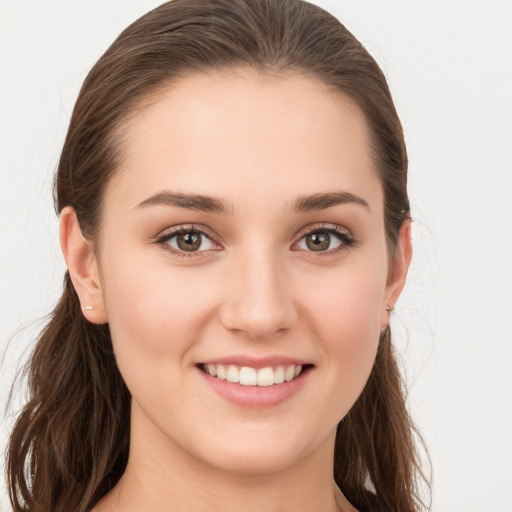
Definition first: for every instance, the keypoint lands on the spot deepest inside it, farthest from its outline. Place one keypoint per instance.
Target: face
(244, 235)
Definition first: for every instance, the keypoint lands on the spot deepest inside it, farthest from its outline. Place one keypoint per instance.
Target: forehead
(243, 135)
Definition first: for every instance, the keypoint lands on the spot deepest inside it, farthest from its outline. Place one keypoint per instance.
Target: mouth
(257, 377)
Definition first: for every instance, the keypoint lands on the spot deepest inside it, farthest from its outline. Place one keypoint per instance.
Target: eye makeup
(197, 241)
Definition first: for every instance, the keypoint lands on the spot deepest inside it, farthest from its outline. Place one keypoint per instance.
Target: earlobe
(397, 271)
(83, 267)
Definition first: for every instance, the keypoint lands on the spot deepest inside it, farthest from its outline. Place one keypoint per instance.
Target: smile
(247, 376)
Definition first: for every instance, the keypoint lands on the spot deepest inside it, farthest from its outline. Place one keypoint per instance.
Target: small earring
(89, 307)
(389, 309)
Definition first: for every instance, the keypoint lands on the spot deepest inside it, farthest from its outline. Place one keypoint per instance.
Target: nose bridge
(259, 301)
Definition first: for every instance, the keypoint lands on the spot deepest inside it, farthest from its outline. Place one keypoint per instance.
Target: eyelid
(345, 236)
(173, 231)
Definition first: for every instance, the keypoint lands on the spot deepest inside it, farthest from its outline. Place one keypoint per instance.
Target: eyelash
(163, 239)
(344, 236)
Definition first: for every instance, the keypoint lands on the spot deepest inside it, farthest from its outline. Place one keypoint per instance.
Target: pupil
(189, 241)
(318, 241)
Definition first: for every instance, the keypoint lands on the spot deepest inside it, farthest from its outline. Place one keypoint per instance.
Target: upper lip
(257, 362)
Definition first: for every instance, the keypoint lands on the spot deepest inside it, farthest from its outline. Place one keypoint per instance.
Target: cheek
(154, 314)
(348, 304)
(346, 319)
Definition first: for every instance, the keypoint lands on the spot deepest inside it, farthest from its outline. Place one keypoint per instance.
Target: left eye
(320, 241)
(189, 241)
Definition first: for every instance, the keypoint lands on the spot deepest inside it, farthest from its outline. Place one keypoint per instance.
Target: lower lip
(256, 396)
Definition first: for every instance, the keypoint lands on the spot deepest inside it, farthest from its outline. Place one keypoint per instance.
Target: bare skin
(263, 278)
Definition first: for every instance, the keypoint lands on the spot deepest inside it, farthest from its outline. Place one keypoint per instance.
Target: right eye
(186, 241)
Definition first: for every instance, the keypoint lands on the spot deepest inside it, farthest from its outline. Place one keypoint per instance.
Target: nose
(259, 300)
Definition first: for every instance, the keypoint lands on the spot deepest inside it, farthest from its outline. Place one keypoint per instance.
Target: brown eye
(189, 241)
(318, 241)
(327, 239)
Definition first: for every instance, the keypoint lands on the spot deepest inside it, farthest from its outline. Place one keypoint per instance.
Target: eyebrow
(187, 201)
(321, 201)
(198, 202)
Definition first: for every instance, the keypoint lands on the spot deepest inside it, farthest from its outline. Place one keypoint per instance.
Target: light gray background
(449, 65)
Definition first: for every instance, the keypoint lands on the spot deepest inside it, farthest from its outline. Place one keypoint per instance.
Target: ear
(83, 267)
(398, 269)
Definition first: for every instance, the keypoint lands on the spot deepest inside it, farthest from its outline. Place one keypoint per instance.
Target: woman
(235, 222)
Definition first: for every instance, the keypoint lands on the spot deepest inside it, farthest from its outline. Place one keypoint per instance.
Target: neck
(161, 475)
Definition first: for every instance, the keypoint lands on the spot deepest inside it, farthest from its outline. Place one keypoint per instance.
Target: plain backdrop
(449, 66)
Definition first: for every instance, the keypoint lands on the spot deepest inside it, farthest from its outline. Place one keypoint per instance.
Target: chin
(266, 453)
(253, 461)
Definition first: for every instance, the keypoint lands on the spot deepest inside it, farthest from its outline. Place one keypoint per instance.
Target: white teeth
(279, 375)
(233, 373)
(221, 371)
(248, 376)
(265, 377)
(289, 373)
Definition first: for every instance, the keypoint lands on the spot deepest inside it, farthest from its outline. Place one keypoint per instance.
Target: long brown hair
(70, 444)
